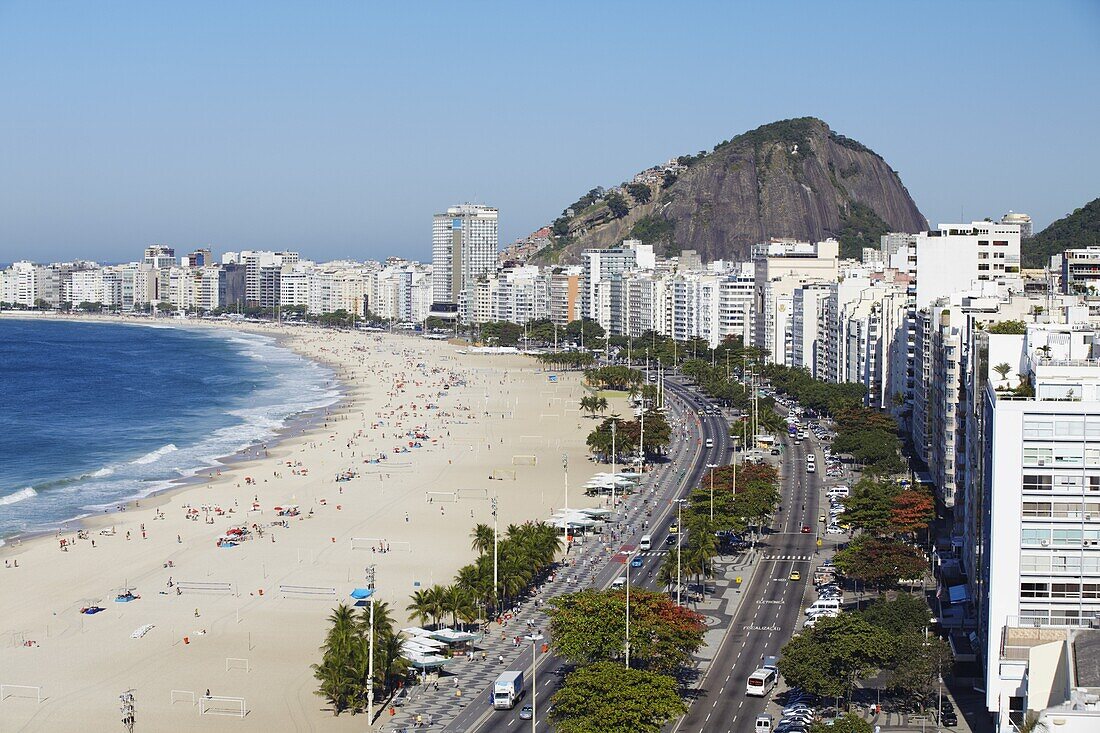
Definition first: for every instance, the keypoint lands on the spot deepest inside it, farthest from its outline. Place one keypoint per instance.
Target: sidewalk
(443, 697)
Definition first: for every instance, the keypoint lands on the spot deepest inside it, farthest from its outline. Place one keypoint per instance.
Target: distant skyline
(339, 129)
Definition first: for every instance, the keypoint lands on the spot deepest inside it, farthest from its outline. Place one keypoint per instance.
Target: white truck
(507, 690)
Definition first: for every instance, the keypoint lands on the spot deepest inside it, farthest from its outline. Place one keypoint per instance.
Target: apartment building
(601, 268)
(565, 295)
(780, 267)
(464, 249)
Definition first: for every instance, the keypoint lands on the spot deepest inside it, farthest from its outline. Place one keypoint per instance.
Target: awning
(958, 594)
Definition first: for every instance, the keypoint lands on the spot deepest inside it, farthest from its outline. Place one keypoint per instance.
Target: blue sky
(339, 128)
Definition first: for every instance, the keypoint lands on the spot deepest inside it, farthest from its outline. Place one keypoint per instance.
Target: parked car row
(830, 597)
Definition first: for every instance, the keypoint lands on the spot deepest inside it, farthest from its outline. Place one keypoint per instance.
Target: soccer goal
(27, 692)
(187, 696)
(217, 705)
(308, 592)
(449, 497)
(500, 474)
(220, 589)
(237, 664)
(468, 494)
(525, 460)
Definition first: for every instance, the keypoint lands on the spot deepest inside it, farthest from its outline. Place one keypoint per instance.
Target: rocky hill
(794, 178)
(1079, 229)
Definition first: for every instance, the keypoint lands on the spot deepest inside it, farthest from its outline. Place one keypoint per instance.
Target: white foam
(154, 455)
(16, 496)
(103, 472)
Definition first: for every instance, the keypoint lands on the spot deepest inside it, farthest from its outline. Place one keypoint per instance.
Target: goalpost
(25, 691)
(447, 496)
(499, 474)
(365, 543)
(191, 586)
(217, 705)
(232, 663)
(183, 696)
(522, 460)
(482, 494)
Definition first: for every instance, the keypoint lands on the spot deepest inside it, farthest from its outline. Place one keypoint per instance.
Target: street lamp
(629, 559)
(534, 639)
(614, 462)
(712, 466)
(370, 661)
(679, 543)
(496, 546)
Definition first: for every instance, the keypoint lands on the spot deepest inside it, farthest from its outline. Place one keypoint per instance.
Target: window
(1036, 509)
(1038, 427)
(1031, 536)
(1034, 590)
(1066, 537)
(1036, 456)
(1038, 482)
(1065, 590)
(983, 266)
(1069, 428)
(1031, 562)
(1000, 243)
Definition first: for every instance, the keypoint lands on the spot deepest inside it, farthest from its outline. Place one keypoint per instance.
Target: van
(709, 443)
(838, 491)
(761, 682)
(763, 723)
(823, 604)
(810, 468)
(620, 583)
(646, 543)
(811, 458)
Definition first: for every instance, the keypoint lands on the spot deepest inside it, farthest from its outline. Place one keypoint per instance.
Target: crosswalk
(778, 558)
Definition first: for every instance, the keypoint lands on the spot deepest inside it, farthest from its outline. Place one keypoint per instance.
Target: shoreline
(305, 421)
(425, 441)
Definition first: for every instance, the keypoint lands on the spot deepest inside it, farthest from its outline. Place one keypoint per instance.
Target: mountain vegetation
(793, 178)
(1079, 229)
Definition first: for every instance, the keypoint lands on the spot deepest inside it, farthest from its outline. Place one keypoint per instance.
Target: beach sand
(478, 411)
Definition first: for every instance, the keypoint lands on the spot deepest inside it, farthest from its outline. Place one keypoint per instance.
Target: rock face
(794, 178)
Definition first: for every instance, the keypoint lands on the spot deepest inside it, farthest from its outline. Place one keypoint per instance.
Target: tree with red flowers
(912, 511)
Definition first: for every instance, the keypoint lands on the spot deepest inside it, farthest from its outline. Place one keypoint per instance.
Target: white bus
(761, 682)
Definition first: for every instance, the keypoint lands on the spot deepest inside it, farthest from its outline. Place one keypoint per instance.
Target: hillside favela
(333, 402)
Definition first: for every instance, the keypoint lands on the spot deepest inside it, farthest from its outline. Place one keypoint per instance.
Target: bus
(761, 682)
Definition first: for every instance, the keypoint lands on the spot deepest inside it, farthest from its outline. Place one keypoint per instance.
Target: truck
(507, 690)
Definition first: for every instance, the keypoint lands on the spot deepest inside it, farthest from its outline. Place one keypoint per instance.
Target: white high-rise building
(1041, 530)
(464, 249)
(781, 268)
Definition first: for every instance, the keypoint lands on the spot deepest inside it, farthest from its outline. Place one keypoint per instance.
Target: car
(635, 562)
(833, 529)
(526, 712)
(805, 529)
(949, 719)
(795, 575)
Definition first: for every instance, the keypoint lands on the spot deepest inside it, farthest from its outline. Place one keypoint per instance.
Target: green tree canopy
(831, 657)
(603, 697)
(880, 562)
(590, 626)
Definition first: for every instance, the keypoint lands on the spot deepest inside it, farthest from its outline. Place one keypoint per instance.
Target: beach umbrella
(362, 593)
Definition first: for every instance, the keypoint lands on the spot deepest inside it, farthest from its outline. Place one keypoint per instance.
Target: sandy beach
(424, 435)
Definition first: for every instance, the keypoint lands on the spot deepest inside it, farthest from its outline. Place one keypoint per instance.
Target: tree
(912, 511)
(880, 562)
(1003, 369)
(831, 657)
(1011, 327)
(340, 653)
(1032, 724)
(606, 698)
(590, 626)
(918, 663)
(869, 505)
(640, 192)
(617, 205)
(903, 614)
(847, 723)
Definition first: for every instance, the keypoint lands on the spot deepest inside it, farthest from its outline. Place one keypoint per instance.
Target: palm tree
(421, 605)
(437, 596)
(601, 404)
(340, 652)
(1031, 723)
(1003, 369)
(482, 539)
(458, 602)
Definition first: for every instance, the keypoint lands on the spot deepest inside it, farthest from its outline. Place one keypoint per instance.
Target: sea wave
(154, 455)
(277, 384)
(17, 496)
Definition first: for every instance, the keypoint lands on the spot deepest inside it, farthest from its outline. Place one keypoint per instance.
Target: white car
(834, 529)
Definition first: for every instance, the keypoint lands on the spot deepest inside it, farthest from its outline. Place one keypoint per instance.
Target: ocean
(95, 414)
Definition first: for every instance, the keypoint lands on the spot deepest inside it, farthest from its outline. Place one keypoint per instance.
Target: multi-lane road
(768, 613)
(686, 471)
(771, 609)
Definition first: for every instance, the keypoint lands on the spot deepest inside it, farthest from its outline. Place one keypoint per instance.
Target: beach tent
(450, 636)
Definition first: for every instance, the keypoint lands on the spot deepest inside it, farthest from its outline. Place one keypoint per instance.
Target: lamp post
(565, 468)
(496, 545)
(712, 466)
(370, 650)
(628, 561)
(614, 462)
(534, 639)
(679, 543)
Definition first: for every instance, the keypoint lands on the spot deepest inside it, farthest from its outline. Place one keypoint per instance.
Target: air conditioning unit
(1044, 543)
(1088, 517)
